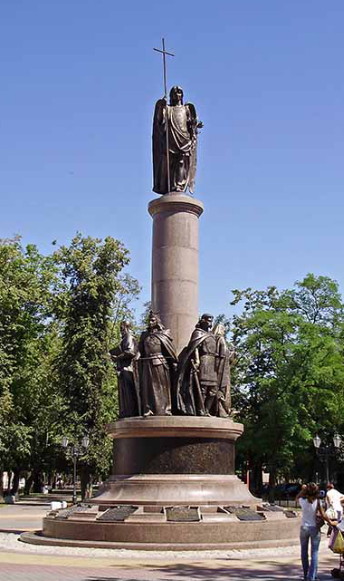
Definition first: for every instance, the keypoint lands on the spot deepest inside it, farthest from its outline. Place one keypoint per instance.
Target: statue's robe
(192, 385)
(128, 391)
(182, 141)
(223, 378)
(156, 372)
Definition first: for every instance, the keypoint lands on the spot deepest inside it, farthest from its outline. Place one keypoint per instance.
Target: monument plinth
(175, 259)
(173, 487)
(174, 461)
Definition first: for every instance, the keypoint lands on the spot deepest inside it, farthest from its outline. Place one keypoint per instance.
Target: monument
(173, 484)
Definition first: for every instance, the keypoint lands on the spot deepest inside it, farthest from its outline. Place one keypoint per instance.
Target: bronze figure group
(152, 380)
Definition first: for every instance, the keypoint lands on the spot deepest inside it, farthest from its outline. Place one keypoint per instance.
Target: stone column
(175, 263)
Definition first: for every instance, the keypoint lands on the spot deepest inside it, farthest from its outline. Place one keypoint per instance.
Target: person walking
(309, 531)
(333, 500)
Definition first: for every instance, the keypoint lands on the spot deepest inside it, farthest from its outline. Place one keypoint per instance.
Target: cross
(164, 53)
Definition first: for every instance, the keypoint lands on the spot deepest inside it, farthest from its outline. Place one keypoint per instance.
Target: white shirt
(333, 497)
(309, 510)
(340, 525)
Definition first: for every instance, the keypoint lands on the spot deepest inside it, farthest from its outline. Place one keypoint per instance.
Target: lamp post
(325, 451)
(74, 451)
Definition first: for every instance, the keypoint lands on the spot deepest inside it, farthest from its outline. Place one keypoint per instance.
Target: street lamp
(74, 451)
(326, 450)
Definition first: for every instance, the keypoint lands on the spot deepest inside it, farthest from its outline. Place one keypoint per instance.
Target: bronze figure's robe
(125, 358)
(223, 356)
(156, 372)
(183, 125)
(195, 385)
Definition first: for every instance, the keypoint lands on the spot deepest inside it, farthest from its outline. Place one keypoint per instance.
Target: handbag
(336, 543)
(332, 538)
(319, 521)
(331, 513)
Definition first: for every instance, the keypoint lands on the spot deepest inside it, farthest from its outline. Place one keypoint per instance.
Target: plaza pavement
(22, 562)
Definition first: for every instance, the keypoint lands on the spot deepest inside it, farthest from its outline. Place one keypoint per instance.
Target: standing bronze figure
(197, 381)
(224, 358)
(158, 361)
(174, 168)
(125, 356)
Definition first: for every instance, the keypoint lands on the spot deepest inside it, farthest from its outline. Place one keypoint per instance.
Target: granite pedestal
(174, 460)
(162, 465)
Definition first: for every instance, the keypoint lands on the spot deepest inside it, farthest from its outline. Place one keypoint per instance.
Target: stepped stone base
(168, 473)
(211, 532)
(174, 460)
(278, 541)
(175, 490)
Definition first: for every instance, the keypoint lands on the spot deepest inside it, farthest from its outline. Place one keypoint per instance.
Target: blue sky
(79, 83)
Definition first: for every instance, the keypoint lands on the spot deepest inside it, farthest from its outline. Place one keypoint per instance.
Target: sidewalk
(22, 562)
(22, 517)
(24, 567)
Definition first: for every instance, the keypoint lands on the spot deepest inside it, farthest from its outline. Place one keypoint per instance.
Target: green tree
(289, 380)
(93, 294)
(25, 294)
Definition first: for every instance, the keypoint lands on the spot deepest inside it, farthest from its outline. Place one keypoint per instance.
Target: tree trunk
(9, 479)
(28, 483)
(85, 483)
(272, 484)
(37, 481)
(256, 478)
(1, 487)
(15, 482)
(52, 479)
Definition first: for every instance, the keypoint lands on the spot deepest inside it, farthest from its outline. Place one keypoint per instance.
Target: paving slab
(72, 564)
(14, 517)
(23, 562)
(205, 571)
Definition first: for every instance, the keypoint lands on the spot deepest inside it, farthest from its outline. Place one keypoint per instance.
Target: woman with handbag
(313, 517)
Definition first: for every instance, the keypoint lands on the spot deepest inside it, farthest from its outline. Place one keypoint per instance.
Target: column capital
(175, 203)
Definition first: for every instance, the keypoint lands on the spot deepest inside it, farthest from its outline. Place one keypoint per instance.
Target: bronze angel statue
(181, 123)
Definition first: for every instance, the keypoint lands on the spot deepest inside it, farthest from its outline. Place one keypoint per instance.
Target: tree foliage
(25, 281)
(289, 379)
(58, 317)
